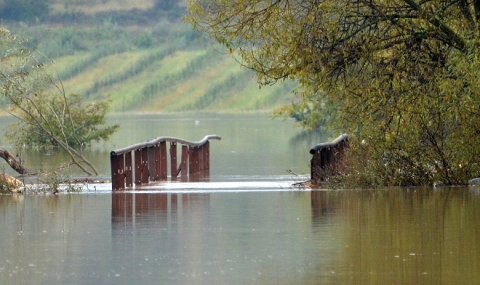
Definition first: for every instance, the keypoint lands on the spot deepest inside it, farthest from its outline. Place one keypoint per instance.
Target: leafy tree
(403, 74)
(77, 123)
(47, 116)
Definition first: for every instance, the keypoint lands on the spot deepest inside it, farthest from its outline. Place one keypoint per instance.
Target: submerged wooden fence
(326, 157)
(140, 163)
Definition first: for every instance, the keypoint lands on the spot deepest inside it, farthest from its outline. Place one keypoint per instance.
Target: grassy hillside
(143, 59)
(95, 6)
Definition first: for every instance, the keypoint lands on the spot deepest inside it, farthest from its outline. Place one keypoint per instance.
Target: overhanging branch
(16, 165)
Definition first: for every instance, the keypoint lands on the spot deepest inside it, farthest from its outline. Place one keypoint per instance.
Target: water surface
(248, 225)
(253, 144)
(394, 236)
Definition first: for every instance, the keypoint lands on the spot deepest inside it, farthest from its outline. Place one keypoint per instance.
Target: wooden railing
(326, 157)
(144, 162)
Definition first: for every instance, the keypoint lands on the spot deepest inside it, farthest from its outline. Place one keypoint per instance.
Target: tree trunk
(16, 165)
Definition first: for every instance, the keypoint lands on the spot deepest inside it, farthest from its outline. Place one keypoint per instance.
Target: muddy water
(247, 226)
(235, 236)
(252, 144)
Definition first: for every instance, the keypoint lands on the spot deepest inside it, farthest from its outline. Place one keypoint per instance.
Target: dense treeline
(402, 76)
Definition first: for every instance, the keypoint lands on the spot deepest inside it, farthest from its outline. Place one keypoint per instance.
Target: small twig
(291, 172)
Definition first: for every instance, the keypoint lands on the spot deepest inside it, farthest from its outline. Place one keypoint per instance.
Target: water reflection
(403, 236)
(244, 226)
(391, 236)
(151, 208)
(323, 204)
(394, 236)
(218, 238)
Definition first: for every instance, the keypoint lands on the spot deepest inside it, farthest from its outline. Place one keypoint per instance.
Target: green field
(143, 61)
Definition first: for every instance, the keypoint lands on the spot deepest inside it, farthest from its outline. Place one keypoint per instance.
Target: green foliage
(132, 71)
(24, 10)
(310, 110)
(75, 69)
(166, 4)
(47, 116)
(401, 74)
(142, 67)
(143, 40)
(69, 118)
(54, 182)
(232, 83)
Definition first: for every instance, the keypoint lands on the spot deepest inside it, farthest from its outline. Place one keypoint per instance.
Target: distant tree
(402, 74)
(166, 5)
(47, 116)
(24, 10)
(76, 123)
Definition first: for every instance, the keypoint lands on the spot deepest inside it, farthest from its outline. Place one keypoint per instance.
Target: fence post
(117, 172)
(145, 172)
(152, 164)
(173, 160)
(315, 166)
(144, 162)
(206, 158)
(138, 167)
(201, 155)
(128, 169)
(325, 158)
(185, 163)
(163, 160)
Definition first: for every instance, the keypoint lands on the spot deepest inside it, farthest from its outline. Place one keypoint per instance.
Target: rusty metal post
(196, 156)
(193, 158)
(163, 160)
(145, 165)
(201, 155)
(185, 163)
(140, 163)
(318, 163)
(117, 168)
(173, 160)
(193, 167)
(158, 157)
(315, 166)
(128, 169)
(206, 158)
(138, 167)
(152, 164)
(191, 162)
(326, 157)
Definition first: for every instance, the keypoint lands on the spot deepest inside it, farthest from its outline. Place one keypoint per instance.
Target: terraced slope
(161, 65)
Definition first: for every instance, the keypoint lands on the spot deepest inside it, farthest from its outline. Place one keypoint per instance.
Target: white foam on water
(243, 186)
(202, 187)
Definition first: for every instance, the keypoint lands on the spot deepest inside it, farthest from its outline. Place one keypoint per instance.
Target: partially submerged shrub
(366, 165)
(9, 184)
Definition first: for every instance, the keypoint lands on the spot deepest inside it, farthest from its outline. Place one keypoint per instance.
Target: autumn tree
(402, 75)
(47, 116)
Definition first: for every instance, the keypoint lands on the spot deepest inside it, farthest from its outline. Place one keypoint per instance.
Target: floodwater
(248, 225)
(253, 145)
